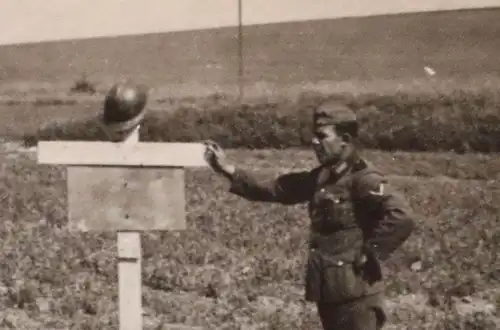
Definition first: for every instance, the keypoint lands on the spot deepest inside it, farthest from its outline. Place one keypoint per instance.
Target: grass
(26, 119)
(375, 64)
(458, 122)
(241, 263)
(384, 51)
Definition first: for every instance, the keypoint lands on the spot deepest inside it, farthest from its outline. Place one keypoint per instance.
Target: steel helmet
(124, 106)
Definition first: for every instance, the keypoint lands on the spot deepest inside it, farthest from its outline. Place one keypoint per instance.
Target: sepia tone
(121, 199)
(68, 19)
(424, 85)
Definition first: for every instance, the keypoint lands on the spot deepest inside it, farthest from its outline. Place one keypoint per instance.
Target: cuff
(236, 179)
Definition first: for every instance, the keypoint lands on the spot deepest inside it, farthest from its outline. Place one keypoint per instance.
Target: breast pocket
(340, 281)
(338, 208)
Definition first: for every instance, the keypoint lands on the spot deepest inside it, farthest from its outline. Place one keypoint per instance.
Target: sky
(27, 21)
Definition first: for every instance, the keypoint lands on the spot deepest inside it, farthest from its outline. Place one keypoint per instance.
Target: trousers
(365, 313)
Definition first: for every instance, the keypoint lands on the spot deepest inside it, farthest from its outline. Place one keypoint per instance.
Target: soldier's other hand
(216, 158)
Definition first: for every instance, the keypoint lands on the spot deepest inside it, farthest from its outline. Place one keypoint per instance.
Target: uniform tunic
(353, 212)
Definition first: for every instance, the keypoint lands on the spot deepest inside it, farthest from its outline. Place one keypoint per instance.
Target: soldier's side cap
(333, 112)
(124, 106)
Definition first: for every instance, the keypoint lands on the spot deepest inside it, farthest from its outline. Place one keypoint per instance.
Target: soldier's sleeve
(393, 219)
(290, 188)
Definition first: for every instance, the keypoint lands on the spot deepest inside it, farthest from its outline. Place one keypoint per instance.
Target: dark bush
(459, 121)
(84, 86)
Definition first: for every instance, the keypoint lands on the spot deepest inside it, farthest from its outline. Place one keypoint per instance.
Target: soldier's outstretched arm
(290, 188)
(393, 219)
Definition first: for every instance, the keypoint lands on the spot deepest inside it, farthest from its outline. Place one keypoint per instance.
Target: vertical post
(130, 271)
(240, 52)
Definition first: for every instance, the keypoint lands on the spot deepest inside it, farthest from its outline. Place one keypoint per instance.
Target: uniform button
(322, 190)
(340, 263)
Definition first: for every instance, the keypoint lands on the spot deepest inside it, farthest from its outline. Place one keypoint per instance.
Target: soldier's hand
(216, 158)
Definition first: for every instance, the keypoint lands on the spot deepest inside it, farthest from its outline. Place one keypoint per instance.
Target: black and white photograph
(250, 165)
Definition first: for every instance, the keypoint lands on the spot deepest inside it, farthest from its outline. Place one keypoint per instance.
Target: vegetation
(228, 269)
(240, 264)
(459, 121)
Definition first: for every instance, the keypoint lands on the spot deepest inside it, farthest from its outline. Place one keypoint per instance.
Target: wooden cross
(127, 187)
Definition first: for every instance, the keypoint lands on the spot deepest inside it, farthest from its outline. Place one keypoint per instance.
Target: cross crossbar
(126, 187)
(140, 154)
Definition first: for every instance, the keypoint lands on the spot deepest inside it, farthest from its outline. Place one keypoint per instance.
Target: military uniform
(354, 213)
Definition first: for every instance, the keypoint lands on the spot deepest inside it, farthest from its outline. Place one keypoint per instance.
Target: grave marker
(127, 187)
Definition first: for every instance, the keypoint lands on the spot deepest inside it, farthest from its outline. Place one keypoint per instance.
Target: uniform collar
(329, 174)
(332, 174)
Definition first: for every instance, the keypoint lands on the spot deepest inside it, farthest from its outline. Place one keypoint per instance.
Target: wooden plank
(129, 245)
(151, 154)
(130, 280)
(117, 199)
(130, 270)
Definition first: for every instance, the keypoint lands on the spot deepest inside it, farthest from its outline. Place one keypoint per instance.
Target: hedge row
(457, 121)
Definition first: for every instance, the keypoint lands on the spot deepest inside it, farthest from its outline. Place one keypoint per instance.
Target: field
(351, 54)
(240, 264)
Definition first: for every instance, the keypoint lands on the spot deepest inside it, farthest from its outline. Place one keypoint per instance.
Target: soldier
(124, 110)
(357, 219)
